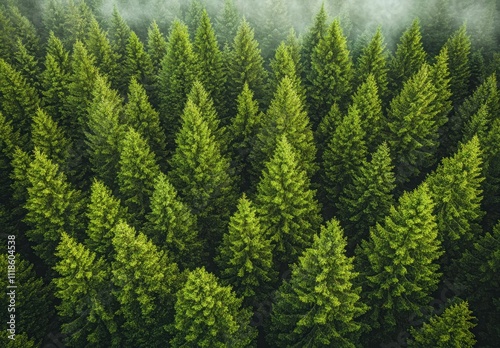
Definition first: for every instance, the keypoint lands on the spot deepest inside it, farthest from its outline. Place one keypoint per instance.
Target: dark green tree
(275, 26)
(120, 33)
(283, 65)
(27, 65)
(193, 15)
(437, 25)
(156, 47)
(320, 305)
(459, 46)
(227, 23)
(210, 315)
(138, 64)
(326, 128)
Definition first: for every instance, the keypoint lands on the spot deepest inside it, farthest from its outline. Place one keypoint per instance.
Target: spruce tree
(285, 116)
(172, 226)
(8, 142)
(138, 64)
(141, 116)
(459, 46)
(7, 36)
(202, 175)
(156, 47)
(193, 15)
(275, 26)
(286, 205)
(440, 75)
(245, 255)
(477, 125)
(210, 315)
(83, 287)
(368, 199)
(145, 281)
(283, 65)
(398, 265)
(437, 26)
(412, 127)
(27, 65)
(344, 154)
(24, 30)
(331, 73)
(227, 23)
(104, 211)
(119, 33)
(408, 59)
(326, 128)
(136, 175)
(320, 305)
(209, 60)
(452, 328)
(177, 74)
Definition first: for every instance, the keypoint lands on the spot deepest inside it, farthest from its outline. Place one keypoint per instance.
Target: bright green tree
(398, 264)
(210, 315)
(283, 65)
(24, 30)
(138, 64)
(83, 287)
(459, 46)
(156, 47)
(331, 73)
(145, 281)
(246, 255)
(326, 128)
(27, 65)
(343, 155)
(368, 199)
(171, 225)
(286, 204)
(227, 23)
(440, 75)
(320, 305)
(8, 142)
(120, 33)
(477, 125)
(452, 328)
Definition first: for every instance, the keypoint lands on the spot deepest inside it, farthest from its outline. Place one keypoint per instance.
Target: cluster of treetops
(181, 191)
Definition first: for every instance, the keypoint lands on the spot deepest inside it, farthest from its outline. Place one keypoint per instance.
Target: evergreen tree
(24, 30)
(120, 33)
(138, 64)
(285, 116)
(245, 255)
(331, 73)
(77, 19)
(193, 16)
(318, 307)
(294, 47)
(20, 163)
(86, 307)
(398, 264)
(477, 125)
(288, 209)
(245, 65)
(145, 119)
(210, 64)
(452, 328)
(412, 127)
(171, 225)
(275, 26)
(157, 47)
(8, 142)
(227, 23)
(210, 315)
(373, 61)
(7, 36)
(283, 65)
(409, 57)
(458, 46)
(175, 79)
(145, 281)
(27, 65)
(437, 26)
(440, 75)
(326, 128)
(137, 173)
(344, 154)
(104, 211)
(366, 100)
(52, 207)
(367, 200)
(202, 176)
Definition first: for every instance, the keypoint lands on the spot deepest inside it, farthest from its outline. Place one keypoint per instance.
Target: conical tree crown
(138, 64)
(227, 23)
(283, 65)
(459, 46)
(317, 31)
(156, 47)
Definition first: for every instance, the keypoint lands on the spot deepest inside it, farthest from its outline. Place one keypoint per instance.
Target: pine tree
(285, 116)
(227, 23)
(477, 125)
(368, 199)
(201, 175)
(452, 328)
(7, 37)
(24, 30)
(141, 116)
(175, 79)
(440, 75)
(319, 306)
(331, 73)
(145, 281)
(294, 47)
(288, 209)
(83, 287)
(245, 255)
(409, 57)
(138, 64)
(21, 340)
(367, 101)
(326, 128)
(104, 211)
(193, 16)
(20, 163)
(210, 315)
(120, 33)
(34, 307)
(52, 207)
(27, 65)
(8, 142)
(77, 18)
(209, 59)
(437, 26)
(156, 47)
(245, 65)
(283, 65)
(412, 127)
(136, 175)
(373, 61)
(459, 46)
(344, 154)
(275, 26)
(398, 264)
(456, 189)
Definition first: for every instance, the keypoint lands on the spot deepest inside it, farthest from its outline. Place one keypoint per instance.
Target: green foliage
(326, 128)
(83, 287)
(288, 209)
(156, 47)
(320, 305)
(120, 33)
(138, 64)
(450, 329)
(368, 199)
(437, 26)
(274, 27)
(398, 264)
(171, 225)
(193, 16)
(440, 75)
(145, 281)
(459, 54)
(210, 315)
(8, 142)
(27, 65)
(22, 340)
(245, 255)
(24, 30)
(227, 23)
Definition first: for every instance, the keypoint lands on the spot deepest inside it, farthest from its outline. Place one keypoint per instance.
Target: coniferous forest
(250, 173)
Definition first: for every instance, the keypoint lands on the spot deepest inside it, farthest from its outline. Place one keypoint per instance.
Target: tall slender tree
(138, 64)
(156, 47)
(459, 46)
